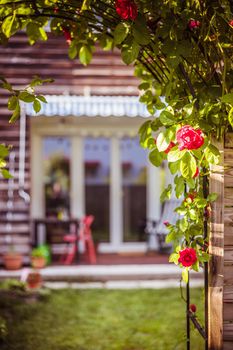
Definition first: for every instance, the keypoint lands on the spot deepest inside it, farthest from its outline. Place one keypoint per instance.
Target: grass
(101, 320)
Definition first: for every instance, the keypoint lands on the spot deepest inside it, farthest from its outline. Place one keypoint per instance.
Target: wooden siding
(19, 62)
(228, 244)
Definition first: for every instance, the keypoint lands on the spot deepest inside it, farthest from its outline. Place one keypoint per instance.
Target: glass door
(134, 179)
(56, 154)
(97, 177)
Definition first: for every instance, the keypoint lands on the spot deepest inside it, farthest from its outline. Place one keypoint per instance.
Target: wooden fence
(220, 330)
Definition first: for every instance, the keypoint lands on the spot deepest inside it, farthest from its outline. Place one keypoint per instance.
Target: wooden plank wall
(228, 244)
(216, 263)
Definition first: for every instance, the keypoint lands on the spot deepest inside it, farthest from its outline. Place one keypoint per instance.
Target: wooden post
(216, 264)
(228, 244)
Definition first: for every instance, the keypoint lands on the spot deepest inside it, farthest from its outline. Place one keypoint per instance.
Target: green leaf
(212, 154)
(201, 202)
(6, 174)
(15, 115)
(190, 183)
(85, 5)
(179, 186)
(120, 33)
(129, 53)
(85, 55)
(73, 50)
(185, 275)
(174, 258)
(163, 141)
(145, 133)
(228, 98)
(2, 163)
(155, 157)
(166, 194)
(183, 224)
(230, 116)
(5, 85)
(188, 165)
(3, 151)
(140, 31)
(12, 102)
(37, 106)
(10, 25)
(167, 118)
(41, 98)
(175, 154)
(174, 167)
(212, 197)
(193, 214)
(195, 266)
(26, 96)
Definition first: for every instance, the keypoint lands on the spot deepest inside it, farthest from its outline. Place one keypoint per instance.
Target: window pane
(56, 162)
(97, 174)
(134, 177)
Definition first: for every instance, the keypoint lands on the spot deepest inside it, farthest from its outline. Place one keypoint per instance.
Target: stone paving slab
(103, 274)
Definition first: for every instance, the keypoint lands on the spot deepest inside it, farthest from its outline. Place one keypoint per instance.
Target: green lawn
(101, 320)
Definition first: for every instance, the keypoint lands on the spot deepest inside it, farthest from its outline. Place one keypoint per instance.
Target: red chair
(84, 235)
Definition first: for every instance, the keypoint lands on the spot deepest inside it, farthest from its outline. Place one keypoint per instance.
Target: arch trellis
(181, 51)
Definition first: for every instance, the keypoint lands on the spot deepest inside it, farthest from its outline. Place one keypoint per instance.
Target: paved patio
(110, 276)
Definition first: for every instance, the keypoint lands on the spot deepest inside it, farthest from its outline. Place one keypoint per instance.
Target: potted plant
(34, 280)
(38, 258)
(12, 260)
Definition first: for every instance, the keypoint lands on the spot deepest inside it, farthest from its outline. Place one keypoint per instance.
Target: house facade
(80, 154)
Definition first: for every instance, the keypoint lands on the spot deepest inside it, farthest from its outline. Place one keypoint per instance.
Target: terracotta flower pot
(38, 262)
(13, 261)
(34, 280)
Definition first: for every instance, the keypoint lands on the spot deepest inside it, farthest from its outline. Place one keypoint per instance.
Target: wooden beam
(216, 264)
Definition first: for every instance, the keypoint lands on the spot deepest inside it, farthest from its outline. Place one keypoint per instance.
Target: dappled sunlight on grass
(101, 320)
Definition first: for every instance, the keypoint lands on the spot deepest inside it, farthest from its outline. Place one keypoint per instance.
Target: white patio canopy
(91, 106)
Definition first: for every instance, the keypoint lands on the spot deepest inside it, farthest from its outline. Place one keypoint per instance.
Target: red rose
(194, 24)
(188, 257)
(67, 35)
(196, 173)
(189, 138)
(193, 308)
(126, 9)
(231, 23)
(170, 146)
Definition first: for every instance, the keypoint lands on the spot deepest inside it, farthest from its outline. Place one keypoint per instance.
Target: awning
(91, 106)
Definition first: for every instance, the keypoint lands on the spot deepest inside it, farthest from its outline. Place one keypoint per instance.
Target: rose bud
(196, 173)
(231, 23)
(67, 35)
(170, 146)
(166, 223)
(193, 308)
(193, 24)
